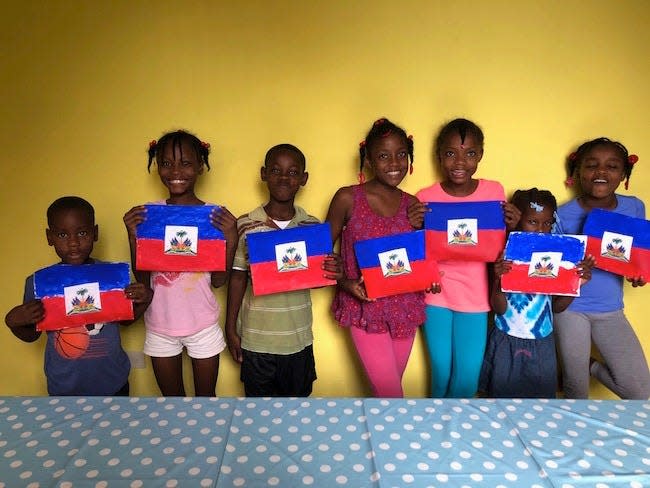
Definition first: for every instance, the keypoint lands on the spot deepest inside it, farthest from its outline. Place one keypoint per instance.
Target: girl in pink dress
(382, 330)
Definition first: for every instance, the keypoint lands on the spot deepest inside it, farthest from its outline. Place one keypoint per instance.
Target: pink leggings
(384, 360)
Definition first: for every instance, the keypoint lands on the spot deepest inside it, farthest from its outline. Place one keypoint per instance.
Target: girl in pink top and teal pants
(456, 316)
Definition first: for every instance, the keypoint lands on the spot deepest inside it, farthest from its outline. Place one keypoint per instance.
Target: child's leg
(573, 334)
(469, 334)
(625, 371)
(204, 348)
(377, 355)
(169, 375)
(437, 333)
(166, 359)
(205, 375)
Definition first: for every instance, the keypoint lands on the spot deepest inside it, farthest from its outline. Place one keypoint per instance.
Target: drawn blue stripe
(489, 214)
(599, 221)
(261, 245)
(49, 282)
(521, 246)
(158, 216)
(366, 251)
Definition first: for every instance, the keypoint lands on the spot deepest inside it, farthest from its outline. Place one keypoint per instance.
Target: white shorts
(203, 344)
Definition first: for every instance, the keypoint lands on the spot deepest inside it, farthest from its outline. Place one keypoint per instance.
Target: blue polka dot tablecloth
(320, 442)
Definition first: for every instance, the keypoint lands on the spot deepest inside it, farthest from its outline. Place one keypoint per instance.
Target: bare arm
(498, 300)
(236, 289)
(141, 295)
(132, 219)
(22, 319)
(226, 222)
(340, 211)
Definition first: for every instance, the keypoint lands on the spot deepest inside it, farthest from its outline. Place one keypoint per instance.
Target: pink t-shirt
(464, 283)
(183, 303)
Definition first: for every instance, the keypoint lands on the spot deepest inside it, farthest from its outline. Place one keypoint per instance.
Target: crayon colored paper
(543, 263)
(76, 295)
(465, 231)
(289, 259)
(620, 244)
(396, 264)
(179, 238)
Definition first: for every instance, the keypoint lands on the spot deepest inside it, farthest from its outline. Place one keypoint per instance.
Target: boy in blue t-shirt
(103, 367)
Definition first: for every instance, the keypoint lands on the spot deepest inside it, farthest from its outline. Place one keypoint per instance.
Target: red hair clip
(633, 159)
(569, 182)
(206, 145)
(152, 144)
(573, 156)
(410, 137)
(362, 143)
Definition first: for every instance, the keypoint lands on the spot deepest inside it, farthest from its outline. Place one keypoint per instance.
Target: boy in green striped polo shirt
(271, 335)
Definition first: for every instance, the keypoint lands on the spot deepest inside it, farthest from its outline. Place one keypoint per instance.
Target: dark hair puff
(383, 128)
(523, 198)
(176, 139)
(574, 160)
(462, 127)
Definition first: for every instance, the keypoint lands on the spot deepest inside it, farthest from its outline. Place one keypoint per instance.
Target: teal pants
(456, 344)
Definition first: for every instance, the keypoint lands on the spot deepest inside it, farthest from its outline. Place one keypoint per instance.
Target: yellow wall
(85, 86)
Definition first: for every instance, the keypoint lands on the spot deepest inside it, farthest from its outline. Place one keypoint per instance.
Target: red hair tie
(379, 121)
(572, 156)
(206, 145)
(362, 143)
(152, 144)
(569, 182)
(633, 159)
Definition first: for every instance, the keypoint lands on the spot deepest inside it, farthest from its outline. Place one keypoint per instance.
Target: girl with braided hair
(184, 312)
(596, 317)
(382, 330)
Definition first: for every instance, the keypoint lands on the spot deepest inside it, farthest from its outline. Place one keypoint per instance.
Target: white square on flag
(291, 256)
(82, 298)
(545, 264)
(394, 262)
(616, 246)
(181, 240)
(462, 232)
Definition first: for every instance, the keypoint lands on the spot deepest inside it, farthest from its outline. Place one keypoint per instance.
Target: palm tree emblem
(179, 244)
(616, 249)
(292, 260)
(82, 303)
(462, 235)
(544, 267)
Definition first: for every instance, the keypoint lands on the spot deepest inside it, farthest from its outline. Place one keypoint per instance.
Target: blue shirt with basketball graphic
(87, 360)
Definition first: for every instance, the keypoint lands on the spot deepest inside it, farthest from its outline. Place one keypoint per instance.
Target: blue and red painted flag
(179, 238)
(466, 231)
(395, 264)
(289, 259)
(543, 263)
(76, 295)
(620, 244)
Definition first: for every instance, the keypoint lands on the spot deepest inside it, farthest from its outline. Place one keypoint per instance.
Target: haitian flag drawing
(289, 259)
(465, 231)
(543, 263)
(620, 244)
(179, 238)
(76, 295)
(395, 264)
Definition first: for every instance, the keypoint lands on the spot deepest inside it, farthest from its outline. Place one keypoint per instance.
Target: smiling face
(388, 158)
(459, 160)
(284, 174)
(600, 172)
(179, 166)
(73, 233)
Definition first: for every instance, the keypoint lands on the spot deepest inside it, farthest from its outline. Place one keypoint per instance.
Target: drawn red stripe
(115, 307)
(267, 279)
(211, 256)
(423, 275)
(639, 264)
(517, 279)
(490, 244)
